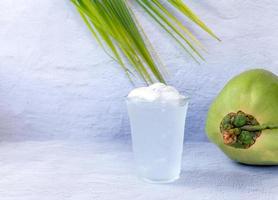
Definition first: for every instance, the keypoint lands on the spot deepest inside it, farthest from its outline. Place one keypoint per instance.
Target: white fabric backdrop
(56, 82)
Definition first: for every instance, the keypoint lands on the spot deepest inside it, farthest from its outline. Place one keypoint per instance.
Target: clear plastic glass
(157, 131)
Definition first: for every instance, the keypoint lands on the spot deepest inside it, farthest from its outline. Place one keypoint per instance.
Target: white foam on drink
(156, 92)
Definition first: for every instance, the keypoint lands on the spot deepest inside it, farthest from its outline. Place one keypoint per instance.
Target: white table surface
(59, 170)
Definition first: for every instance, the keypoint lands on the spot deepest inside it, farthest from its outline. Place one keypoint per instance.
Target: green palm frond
(116, 29)
(162, 14)
(186, 11)
(112, 24)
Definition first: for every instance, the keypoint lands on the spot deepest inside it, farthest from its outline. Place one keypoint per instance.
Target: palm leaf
(185, 10)
(112, 24)
(162, 14)
(116, 29)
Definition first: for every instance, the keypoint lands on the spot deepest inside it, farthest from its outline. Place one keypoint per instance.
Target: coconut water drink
(157, 117)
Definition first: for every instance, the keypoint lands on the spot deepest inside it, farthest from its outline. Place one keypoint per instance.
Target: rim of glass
(183, 100)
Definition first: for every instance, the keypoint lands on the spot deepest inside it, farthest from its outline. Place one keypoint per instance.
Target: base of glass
(160, 181)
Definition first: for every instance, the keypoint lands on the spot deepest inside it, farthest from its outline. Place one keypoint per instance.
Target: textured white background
(51, 170)
(56, 82)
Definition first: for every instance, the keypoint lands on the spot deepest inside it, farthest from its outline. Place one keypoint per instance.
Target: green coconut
(243, 119)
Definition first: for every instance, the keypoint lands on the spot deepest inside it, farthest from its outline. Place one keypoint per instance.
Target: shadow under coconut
(234, 175)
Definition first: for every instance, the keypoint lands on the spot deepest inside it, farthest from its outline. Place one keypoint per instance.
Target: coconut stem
(258, 127)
